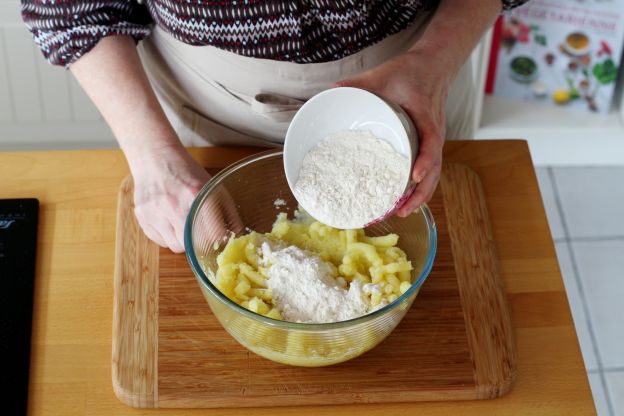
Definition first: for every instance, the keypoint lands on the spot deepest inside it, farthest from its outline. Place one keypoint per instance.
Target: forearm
(113, 77)
(456, 28)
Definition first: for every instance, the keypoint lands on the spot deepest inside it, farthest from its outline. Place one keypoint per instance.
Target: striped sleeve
(510, 4)
(67, 29)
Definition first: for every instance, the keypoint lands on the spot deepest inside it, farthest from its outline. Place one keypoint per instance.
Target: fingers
(422, 95)
(430, 128)
(160, 230)
(162, 222)
(423, 192)
(356, 82)
(426, 174)
(426, 169)
(174, 220)
(171, 238)
(230, 212)
(365, 80)
(153, 235)
(178, 230)
(165, 185)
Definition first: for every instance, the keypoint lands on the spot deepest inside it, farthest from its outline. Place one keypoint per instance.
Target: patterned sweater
(300, 31)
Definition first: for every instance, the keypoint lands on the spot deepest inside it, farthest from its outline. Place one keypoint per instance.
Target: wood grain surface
(484, 303)
(135, 309)
(70, 372)
(455, 343)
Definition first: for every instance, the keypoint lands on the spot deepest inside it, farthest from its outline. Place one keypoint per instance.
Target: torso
(296, 31)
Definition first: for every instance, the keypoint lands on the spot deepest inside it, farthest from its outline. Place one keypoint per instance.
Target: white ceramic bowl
(347, 108)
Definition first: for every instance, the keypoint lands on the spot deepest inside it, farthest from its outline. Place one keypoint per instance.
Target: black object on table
(18, 242)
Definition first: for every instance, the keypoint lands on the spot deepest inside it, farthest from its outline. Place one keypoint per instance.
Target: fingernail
(406, 210)
(419, 178)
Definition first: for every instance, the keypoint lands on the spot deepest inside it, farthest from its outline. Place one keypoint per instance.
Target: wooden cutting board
(455, 343)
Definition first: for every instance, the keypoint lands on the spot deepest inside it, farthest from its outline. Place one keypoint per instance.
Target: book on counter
(559, 52)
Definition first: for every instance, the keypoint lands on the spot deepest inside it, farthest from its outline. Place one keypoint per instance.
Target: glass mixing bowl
(248, 196)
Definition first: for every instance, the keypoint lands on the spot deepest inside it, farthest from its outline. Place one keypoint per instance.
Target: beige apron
(215, 97)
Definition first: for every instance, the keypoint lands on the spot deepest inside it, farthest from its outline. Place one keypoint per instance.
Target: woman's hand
(166, 178)
(166, 181)
(418, 81)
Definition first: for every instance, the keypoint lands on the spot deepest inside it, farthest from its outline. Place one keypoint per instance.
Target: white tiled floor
(585, 209)
(577, 305)
(615, 382)
(599, 392)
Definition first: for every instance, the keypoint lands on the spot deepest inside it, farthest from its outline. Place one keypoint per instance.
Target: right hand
(166, 181)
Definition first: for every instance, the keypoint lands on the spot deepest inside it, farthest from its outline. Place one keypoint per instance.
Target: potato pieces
(257, 305)
(389, 240)
(375, 261)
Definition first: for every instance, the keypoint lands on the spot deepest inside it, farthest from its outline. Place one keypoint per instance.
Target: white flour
(279, 202)
(351, 178)
(305, 289)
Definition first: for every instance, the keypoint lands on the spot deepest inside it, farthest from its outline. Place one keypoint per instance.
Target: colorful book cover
(559, 52)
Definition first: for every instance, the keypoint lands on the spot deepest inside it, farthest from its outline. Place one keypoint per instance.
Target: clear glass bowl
(243, 197)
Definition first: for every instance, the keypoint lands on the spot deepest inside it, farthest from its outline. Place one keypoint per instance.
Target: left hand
(418, 81)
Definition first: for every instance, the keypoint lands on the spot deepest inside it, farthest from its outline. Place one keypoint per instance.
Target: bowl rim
(397, 113)
(205, 281)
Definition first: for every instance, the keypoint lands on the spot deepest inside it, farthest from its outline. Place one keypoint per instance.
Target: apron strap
(275, 107)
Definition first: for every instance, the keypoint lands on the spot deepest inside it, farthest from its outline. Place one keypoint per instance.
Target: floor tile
(592, 199)
(601, 271)
(550, 203)
(576, 305)
(599, 393)
(615, 387)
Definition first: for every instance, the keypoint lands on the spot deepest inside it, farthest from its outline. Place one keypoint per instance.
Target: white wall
(41, 106)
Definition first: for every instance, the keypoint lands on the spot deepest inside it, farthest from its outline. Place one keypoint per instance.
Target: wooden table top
(71, 344)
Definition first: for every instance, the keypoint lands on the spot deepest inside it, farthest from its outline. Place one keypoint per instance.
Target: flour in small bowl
(305, 288)
(351, 178)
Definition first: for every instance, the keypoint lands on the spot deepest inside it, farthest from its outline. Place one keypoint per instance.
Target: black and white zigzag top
(300, 31)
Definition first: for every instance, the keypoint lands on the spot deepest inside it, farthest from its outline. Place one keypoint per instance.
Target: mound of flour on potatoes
(305, 288)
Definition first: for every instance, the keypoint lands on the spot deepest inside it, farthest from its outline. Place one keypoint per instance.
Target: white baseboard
(54, 136)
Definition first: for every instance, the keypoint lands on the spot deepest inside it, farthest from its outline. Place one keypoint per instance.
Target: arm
(456, 28)
(166, 177)
(135, 116)
(419, 81)
(66, 30)
(96, 40)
